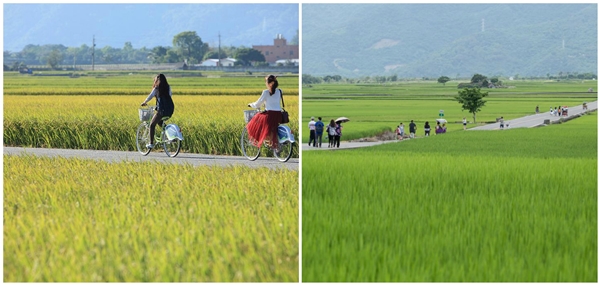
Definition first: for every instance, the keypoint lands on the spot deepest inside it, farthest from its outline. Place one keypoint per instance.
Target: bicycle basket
(146, 114)
(248, 114)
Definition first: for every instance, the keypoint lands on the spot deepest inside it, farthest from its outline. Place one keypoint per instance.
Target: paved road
(345, 145)
(182, 158)
(538, 119)
(524, 122)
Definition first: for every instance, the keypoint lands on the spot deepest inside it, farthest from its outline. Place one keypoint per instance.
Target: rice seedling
(510, 206)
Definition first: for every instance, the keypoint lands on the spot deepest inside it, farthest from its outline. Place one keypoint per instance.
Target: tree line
(477, 80)
(187, 47)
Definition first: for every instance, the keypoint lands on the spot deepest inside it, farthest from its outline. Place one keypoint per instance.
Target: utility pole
(219, 48)
(93, 50)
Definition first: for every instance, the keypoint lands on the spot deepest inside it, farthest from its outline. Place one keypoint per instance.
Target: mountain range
(432, 40)
(146, 25)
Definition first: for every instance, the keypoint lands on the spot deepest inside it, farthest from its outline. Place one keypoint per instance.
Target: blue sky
(146, 25)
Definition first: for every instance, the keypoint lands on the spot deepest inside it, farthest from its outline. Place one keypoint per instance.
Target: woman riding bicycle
(263, 126)
(162, 91)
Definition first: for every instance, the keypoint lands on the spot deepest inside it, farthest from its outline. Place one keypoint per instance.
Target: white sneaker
(150, 146)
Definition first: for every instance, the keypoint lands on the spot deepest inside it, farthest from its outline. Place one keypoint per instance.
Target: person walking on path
(501, 122)
(401, 131)
(331, 132)
(412, 127)
(311, 129)
(537, 109)
(319, 132)
(398, 132)
(338, 135)
(464, 123)
(427, 129)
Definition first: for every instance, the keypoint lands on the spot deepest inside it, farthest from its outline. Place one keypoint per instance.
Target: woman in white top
(263, 126)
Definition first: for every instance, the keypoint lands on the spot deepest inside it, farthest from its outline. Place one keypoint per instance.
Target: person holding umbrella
(338, 130)
(338, 134)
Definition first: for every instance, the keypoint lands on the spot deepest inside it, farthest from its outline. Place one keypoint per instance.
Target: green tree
(295, 40)
(158, 54)
(478, 79)
(443, 79)
(248, 55)
(214, 54)
(190, 46)
(471, 100)
(54, 58)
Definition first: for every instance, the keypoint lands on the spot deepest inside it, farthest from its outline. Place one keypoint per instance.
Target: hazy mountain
(430, 40)
(146, 25)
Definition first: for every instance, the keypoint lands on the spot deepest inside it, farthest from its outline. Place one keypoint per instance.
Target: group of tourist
(316, 129)
(558, 111)
(412, 129)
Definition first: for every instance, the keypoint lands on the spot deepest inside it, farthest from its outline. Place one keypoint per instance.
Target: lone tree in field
(471, 100)
(443, 79)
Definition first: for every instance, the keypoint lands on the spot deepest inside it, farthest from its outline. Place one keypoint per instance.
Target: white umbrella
(442, 121)
(342, 119)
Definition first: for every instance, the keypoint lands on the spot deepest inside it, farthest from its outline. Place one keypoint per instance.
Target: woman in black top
(162, 92)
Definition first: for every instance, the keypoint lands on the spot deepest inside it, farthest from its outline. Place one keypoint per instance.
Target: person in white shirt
(263, 126)
(312, 129)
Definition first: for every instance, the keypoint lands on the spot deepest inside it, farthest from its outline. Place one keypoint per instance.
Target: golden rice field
(211, 124)
(77, 220)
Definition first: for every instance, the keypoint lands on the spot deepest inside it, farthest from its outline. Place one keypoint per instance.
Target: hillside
(430, 40)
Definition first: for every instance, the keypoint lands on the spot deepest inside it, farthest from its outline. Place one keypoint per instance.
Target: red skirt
(263, 127)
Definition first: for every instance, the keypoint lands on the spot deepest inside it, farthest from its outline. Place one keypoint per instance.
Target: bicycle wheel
(142, 138)
(171, 147)
(284, 151)
(248, 149)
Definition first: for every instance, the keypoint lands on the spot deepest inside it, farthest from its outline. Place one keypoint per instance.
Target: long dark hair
(162, 84)
(272, 79)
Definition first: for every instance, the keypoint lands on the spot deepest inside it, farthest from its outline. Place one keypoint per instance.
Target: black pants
(312, 138)
(330, 138)
(319, 139)
(336, 141)
(156, 120)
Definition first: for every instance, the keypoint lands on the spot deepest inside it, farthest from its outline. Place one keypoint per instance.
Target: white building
(215, 62)
(284, 62)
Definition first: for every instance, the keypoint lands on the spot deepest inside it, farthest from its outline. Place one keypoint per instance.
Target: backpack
(332, 131)
(319, 127)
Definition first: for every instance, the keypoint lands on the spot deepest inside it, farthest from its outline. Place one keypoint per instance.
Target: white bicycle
(284, 134)
(170, 137)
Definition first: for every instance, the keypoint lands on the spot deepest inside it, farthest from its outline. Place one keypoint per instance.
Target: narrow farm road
(537, 120)
(523, 122)
(182, 158)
